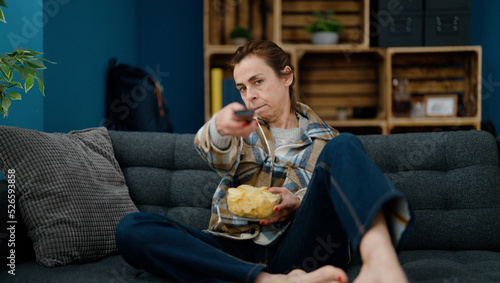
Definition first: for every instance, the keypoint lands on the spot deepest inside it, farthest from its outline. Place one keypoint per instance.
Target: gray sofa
(452, 180)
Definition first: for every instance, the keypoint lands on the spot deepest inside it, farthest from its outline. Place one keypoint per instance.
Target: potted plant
(27, 63)
(325, 29)
(239, 35)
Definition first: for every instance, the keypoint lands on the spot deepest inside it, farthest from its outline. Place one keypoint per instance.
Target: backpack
(134, 100)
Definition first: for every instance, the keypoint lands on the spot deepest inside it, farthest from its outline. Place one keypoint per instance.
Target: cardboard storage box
(447, 22)
(396, 23)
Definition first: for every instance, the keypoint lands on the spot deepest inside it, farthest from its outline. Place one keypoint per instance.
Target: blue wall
(24, 28)
(171, 40)
(153, 35)
(485, 31)
(81, 36)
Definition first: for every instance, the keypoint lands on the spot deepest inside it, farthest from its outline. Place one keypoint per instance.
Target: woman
(334, 200)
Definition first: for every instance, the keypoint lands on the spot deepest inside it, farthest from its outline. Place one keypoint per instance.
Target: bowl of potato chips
(251, 203)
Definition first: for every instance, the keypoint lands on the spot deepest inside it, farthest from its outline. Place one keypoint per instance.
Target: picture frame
(444, 105)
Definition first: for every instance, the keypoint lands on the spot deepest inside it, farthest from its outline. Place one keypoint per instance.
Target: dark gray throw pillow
(69, 189)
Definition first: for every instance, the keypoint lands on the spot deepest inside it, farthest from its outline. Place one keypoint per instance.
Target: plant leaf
(31, 52)
(4, 69)
(6, 61)
(28, 83)
(9, 75)
(2, 16)
(47, 60)
(35, 64)
(23, 72)
(14, 95)
(13, 54)
(38, 73)
(6, 104)
(20, 60)
(41, 86)
(18, 84)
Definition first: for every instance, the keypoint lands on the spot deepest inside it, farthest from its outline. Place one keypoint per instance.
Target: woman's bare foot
(380, 261)
(322, 275)
(381, 270)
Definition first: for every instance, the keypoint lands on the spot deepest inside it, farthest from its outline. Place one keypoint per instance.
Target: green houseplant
(27, 64)
(325, 29)
(239, 35)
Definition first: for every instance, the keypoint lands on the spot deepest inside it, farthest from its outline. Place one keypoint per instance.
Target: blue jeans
(346, 191)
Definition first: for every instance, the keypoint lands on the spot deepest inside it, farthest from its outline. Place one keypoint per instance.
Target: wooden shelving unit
(350, 74)
(437, 71)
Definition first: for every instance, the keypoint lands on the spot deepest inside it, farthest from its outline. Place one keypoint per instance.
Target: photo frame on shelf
(444, 105)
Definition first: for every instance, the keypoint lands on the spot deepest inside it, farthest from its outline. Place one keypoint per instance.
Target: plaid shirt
(252, 161)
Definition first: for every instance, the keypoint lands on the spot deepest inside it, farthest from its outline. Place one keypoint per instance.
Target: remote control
(246, 115)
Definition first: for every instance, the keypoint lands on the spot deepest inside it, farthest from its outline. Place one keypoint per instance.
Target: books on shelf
(216, 76)
(223, 90)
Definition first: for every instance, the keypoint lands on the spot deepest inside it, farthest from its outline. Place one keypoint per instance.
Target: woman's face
(261, 89)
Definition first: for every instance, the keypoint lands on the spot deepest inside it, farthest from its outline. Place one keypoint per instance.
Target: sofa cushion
(70, 191)
(105, 270)
(453, 266)
(437, 266)
(166, 175)
(452, 181)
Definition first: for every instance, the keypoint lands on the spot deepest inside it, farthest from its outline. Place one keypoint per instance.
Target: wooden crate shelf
(436, 71)
(220, 17)
(295, 15)
(350, 74)
(330, 80)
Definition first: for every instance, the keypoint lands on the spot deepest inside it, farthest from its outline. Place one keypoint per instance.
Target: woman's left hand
(288, 205)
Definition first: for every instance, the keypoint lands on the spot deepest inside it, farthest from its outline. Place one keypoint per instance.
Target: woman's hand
(228, 124)
(287, 207)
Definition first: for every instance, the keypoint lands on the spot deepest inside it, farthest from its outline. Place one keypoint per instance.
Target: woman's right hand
(228, 124)
(286, 208)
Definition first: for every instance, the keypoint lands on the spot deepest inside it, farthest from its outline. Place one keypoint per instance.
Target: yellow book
(216, 89)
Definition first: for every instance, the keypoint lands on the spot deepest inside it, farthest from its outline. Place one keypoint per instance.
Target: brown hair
(274, 56)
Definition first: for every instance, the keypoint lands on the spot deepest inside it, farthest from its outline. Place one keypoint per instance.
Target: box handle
(400, 26)
(447, 25)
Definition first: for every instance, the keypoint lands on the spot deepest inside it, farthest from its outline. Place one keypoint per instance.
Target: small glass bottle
(401, 99)
(342, 113)
(418, 110)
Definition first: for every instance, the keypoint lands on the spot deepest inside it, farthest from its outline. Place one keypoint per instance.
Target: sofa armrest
(498, 145)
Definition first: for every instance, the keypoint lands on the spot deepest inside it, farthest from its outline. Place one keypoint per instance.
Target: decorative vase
(239, 40)
(324, 37)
